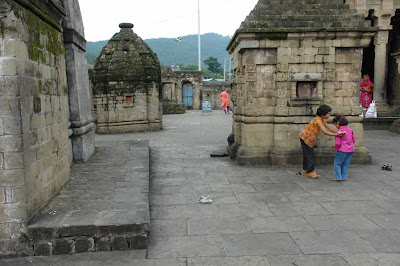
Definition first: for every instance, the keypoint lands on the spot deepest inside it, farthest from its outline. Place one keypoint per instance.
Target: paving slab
(325, 242)
(181, 167)
(307, 260)
(259, 244)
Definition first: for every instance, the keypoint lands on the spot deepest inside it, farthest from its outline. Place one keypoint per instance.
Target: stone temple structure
(290, 57)
(45, 117)
(126, 85)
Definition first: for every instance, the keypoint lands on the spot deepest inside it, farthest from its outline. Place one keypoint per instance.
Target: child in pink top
(344, 146)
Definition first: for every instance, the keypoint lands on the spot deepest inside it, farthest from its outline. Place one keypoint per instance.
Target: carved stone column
(82, 125)
(381, 39)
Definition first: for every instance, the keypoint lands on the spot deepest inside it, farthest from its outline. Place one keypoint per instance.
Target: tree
(188, 67)
(213, 64)
(91, 57)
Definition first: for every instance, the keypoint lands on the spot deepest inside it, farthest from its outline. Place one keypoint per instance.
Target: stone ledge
(119, 219)
(379, 123)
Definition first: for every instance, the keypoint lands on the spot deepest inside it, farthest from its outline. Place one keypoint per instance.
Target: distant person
(344, 146)
(309, 136)
(224, 96)
(366, 88)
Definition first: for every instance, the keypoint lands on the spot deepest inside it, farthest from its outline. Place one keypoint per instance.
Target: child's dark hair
(341, 119)
(323, 110)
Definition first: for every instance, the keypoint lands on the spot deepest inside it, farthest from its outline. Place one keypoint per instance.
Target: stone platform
(105, 206)
(379, 123)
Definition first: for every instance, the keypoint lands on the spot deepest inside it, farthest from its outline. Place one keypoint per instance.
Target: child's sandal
(313, 175)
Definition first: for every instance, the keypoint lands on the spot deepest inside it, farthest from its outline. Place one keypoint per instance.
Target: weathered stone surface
(138, 242)
(285, 68)
(119, 243)
(126, 85)
(83, 244)
(43, 249)
(62, 246)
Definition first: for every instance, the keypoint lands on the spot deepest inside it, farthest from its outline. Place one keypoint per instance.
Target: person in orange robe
(224, 96)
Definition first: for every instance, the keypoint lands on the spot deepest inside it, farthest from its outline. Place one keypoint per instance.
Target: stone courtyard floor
(259, 215)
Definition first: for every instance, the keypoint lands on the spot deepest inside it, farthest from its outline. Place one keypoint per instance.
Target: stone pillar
(82, 125)
(34, 153)
(381, 39)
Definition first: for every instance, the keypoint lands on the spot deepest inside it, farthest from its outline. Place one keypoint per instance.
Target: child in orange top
(309, 135)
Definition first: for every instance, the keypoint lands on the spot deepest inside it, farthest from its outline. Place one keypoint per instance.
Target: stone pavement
(104, 207)
(260, 215)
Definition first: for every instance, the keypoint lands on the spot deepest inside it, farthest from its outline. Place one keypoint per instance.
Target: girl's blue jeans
(341, 164)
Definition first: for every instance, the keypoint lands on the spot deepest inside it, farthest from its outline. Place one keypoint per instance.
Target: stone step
(300, 6)
(379, 123)
(275, 2)
(104, 208)
(321, 18)
(306, 24)
(302, 12)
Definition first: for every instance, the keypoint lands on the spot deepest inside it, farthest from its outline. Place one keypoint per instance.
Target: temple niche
(290, 57)
(127, 85)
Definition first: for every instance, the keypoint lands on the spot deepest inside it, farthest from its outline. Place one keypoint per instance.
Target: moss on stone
(272, 36)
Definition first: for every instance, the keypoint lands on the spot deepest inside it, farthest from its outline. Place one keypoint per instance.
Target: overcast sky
(163, 18)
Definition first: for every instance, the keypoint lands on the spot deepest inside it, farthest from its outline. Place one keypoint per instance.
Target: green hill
(212, 45)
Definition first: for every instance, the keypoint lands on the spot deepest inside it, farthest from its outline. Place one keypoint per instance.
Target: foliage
(212, 45)
(189, 67)
(207, 74)
(91, 57)
(213, 64)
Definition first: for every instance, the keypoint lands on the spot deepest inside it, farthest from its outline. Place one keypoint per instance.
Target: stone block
(102, 244)
(15, 212)
(83, 244)
(8, 66)
(13, 161)
(2, 195)
(138, 242)
(11, 177)
(18, 194)
(63, 246)
(88, 230)
(119, 243)
(43, 248)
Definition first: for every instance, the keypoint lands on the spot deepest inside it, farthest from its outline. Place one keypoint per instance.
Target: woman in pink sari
(366, 88)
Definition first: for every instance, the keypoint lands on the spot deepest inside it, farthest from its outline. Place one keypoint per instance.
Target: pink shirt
(345, 143)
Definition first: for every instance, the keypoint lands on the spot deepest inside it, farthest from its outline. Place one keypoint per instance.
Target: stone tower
(126, 85)
(290, 57)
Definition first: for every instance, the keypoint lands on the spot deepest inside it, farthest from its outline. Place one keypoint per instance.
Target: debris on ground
(205, 200)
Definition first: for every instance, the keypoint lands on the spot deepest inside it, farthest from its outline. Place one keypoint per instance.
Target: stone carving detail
(381, 38)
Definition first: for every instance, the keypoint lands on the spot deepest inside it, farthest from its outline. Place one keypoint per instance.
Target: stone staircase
(105, 206)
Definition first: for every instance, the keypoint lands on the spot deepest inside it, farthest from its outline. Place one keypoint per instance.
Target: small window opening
(306, 89)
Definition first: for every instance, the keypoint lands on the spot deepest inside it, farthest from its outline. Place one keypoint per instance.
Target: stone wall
(287, 64)
(211, 91)
(130, 112)
(34, 151)
(173, 81)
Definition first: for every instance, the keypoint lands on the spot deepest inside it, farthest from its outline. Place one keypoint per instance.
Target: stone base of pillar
(83, 147)
(249, 156)
(323, 156)
(128, 127)
(395, 127)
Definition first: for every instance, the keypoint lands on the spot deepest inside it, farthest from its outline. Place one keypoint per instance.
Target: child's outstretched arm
(326, 132)
(331, 129)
